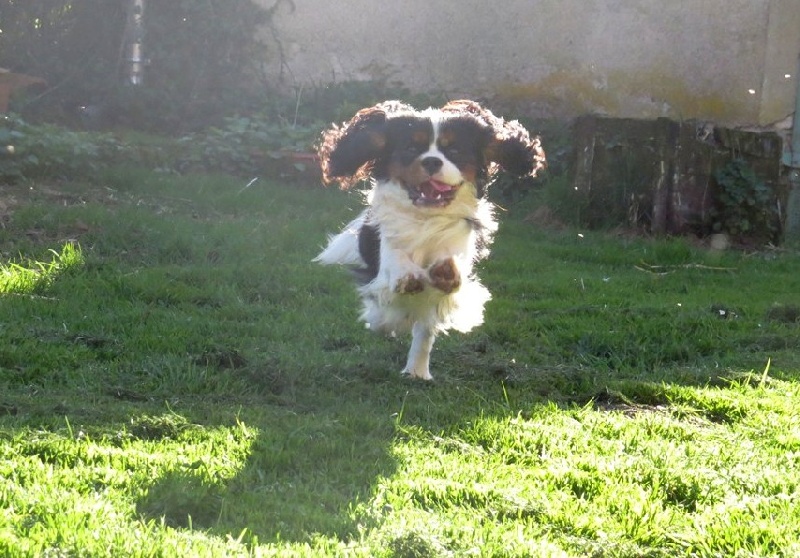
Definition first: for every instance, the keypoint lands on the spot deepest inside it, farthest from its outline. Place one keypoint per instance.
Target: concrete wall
(731, 61)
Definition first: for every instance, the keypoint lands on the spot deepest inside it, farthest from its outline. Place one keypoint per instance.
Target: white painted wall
(721, 60)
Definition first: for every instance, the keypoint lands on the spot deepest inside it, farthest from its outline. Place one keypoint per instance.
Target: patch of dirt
(545, 218)
(612, 401)
(222, 359)
(13, 196)
(787, 314)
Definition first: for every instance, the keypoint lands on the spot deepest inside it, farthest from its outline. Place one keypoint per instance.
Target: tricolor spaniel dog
(427, 219)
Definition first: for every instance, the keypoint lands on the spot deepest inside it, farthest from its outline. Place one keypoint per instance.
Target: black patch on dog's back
(369, 247)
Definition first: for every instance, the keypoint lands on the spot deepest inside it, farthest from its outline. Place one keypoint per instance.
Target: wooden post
(136, 43)
(792, 160)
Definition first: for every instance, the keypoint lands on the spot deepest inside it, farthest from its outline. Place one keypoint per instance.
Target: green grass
(178, 379)
(18, 278)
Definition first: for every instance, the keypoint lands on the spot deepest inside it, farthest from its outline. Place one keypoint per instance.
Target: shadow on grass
(277, 495)
(323, 440)
(325, 443)
(320, 444)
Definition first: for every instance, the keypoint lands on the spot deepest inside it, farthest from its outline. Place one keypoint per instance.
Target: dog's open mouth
(433, 193)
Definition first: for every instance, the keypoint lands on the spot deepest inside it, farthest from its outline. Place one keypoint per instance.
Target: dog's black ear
(511, 147)
(347, 152)
(515, 151)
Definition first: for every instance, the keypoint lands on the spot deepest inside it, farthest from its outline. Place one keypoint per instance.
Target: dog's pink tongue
(440, 186)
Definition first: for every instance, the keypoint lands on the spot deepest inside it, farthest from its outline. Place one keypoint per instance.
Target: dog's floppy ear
(515, 151)
(347, 152)
(511, 147)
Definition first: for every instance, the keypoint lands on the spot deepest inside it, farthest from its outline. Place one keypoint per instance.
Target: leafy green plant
(243, 146)
(247, 145)
(745, 205)
(37, 151)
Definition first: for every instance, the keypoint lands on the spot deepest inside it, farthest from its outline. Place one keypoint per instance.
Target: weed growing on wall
(745, 205)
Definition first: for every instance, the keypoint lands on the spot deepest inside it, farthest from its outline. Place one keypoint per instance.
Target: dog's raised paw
(445, 276)
(409, 284)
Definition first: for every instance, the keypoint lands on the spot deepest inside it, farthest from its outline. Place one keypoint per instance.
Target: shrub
(244, 146)
(203, 60)
(745, 205)
(47, 150)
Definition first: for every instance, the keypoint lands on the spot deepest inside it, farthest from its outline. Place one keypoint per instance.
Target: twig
(299, 95)
(246, 186)
(652, 272)
(665, 269)
(28, 296)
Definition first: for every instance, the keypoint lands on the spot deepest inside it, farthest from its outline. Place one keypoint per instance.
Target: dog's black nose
(431, 164)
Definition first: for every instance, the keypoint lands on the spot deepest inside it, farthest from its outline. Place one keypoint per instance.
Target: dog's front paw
(417, 374)
(409, 284)
(445, 276)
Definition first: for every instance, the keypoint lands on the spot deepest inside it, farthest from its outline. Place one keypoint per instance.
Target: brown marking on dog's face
(414, 162)
(433, 158)
(406, 139)
(463, 140)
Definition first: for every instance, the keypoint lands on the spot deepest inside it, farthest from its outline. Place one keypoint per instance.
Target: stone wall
(731, 61)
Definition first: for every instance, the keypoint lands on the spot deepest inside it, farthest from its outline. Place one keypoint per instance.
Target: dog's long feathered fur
(427, 219)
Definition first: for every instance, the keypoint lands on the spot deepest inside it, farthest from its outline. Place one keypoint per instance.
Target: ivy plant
(746, 207)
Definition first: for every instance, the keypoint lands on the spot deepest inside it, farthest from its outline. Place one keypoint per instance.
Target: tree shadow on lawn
(323, 447)
(323, 440)
(320, 446)
(273, 503)
(291, 506)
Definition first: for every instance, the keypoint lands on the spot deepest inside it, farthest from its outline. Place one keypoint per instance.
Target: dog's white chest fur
(412, 241)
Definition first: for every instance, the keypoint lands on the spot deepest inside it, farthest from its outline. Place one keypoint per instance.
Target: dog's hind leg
(418, 364)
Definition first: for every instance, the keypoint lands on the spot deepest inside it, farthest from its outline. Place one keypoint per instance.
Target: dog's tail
(342, 248)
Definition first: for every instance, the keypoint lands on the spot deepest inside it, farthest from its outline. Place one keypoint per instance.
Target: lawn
(178, 379)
